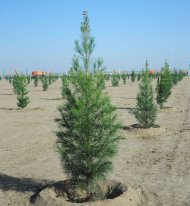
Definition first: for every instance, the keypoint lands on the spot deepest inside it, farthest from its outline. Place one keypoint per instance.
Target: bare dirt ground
(156, 159)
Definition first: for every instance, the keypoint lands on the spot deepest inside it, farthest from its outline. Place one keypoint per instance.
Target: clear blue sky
(40, 34)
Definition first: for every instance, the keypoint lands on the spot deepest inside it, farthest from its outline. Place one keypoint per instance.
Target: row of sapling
(177, 76)
(46, 80)
(88, 125)
(145, 111)
(165, 81)
(115, 78)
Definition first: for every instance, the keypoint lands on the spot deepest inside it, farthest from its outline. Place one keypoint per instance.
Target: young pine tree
(133, 76)
(114, 80)
(87, 126)
(65, 83)
(145, 111)
(15, 83)
(124, 77)
(21, 91)
(36, 80)
(164, 85)
(175, 77)
(28, 79)
(45, 82)
(139, 75)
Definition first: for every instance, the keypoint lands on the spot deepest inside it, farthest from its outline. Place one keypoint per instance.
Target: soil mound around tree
(112, 193)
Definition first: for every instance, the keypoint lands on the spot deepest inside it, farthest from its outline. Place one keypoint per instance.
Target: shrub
(145, 111)
(88, 126)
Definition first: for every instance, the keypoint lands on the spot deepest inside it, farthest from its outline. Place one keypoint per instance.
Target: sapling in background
(6, 77)
(21, 91)
(164, 85)
(115, 80)
(107, 76)
(28, 79)
(124, 77)
(10, 78)
(145, 111)
(65, 83)
(45, 82)
(36, 80)
(98, 69)
(50, 79)
(133, 76)
(15, 83)
(139, 75)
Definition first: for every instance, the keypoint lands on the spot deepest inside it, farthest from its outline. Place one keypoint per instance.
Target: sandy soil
(156, 160)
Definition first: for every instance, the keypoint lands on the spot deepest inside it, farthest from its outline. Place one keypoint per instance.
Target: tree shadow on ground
(137, 126)
(6, 94)
(124, 98)
(21, 184)
(55, 99)
(127, 108)
(10, 109)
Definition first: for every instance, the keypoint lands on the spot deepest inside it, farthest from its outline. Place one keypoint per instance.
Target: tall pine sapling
(88, 125)
(145, 111)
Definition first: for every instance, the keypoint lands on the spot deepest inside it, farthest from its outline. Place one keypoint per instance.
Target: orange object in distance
(152, 71)
(38, 73)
